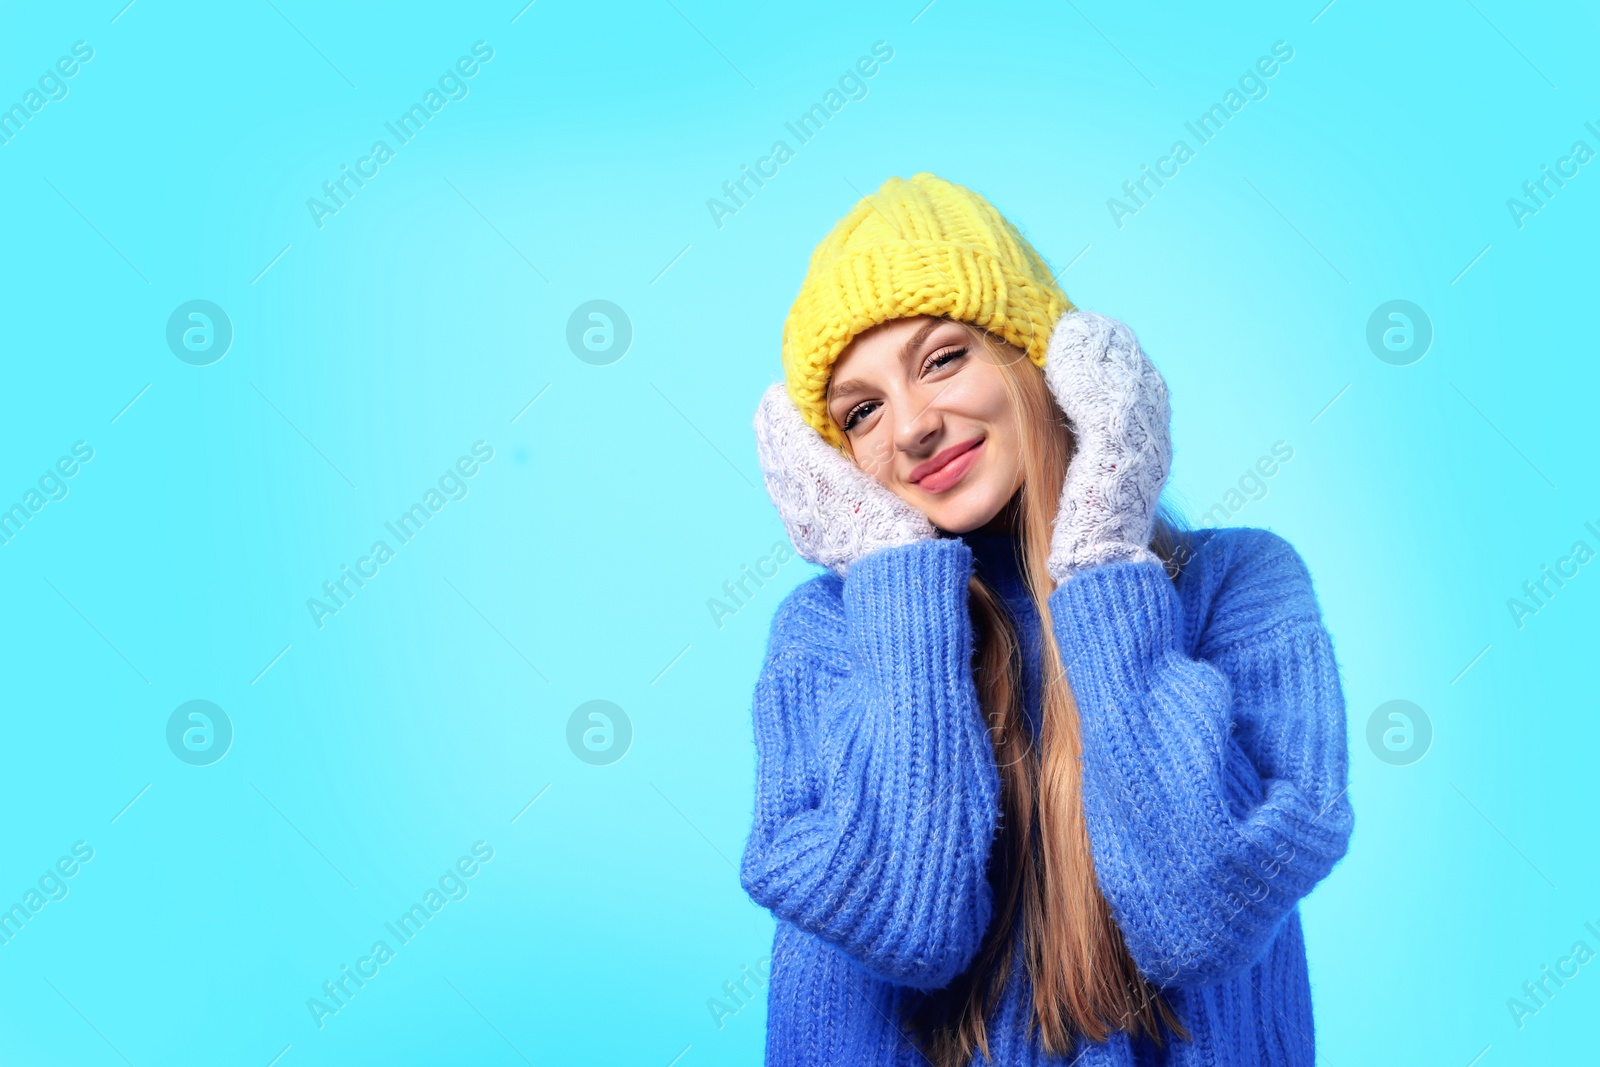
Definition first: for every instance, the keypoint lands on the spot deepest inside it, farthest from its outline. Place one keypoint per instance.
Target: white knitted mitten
(835, 512)
(1116, 402)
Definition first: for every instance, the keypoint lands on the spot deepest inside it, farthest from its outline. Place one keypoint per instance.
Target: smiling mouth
(947, 468)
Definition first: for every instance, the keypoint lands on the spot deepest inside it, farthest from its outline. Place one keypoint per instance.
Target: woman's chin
(976, 508)
(963, 517)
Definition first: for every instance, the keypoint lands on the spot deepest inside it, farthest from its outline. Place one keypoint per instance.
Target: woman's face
(926, 411)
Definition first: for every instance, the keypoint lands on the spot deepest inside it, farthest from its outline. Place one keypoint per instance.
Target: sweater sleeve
(1214, 788)
(877, 791)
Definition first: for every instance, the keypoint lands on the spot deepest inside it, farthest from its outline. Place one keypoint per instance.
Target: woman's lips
(947, 468)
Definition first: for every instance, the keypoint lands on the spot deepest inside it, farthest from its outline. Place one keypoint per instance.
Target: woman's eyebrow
(907, 350)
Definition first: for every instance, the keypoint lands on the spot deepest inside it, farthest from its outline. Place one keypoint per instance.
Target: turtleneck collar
(995, 560)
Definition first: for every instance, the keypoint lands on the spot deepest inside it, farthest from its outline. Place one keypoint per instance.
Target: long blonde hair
(1085, 982)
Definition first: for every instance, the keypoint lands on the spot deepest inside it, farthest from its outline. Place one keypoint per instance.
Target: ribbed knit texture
(1214, 770)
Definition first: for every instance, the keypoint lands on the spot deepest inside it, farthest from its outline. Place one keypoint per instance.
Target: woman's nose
(916, 424)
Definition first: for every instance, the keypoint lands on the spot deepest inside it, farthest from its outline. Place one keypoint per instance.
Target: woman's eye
(943, 358)
(856, 414)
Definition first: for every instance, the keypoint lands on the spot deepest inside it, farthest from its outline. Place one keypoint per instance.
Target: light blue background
(427, 314)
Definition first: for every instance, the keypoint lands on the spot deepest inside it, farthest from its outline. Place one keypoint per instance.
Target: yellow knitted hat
(919, 247)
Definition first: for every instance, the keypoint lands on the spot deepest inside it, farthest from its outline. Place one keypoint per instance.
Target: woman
(1042, 777)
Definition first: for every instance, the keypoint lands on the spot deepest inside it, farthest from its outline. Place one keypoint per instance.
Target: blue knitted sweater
(1214, 778)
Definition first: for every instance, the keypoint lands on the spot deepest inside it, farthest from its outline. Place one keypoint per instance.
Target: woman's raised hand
(835, 512)
(1116, 403)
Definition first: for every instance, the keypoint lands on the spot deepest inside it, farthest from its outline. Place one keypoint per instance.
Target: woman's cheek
(977, 394)
(873, 455)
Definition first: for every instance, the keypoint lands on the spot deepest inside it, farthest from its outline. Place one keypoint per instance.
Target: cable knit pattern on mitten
(835, 512)
(1116, 402)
